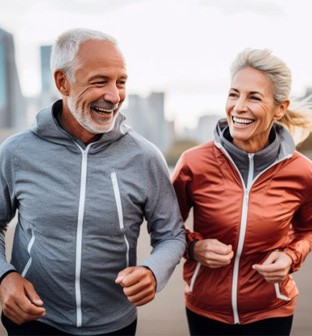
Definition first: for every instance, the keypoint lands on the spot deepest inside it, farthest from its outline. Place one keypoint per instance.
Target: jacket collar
(280, 147)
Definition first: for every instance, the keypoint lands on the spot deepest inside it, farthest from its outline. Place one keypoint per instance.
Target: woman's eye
(255, 98)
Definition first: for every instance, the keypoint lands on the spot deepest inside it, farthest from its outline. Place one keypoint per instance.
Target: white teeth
(99, 109)
(242, 121)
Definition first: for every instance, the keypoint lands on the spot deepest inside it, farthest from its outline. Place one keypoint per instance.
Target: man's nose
(112, 94)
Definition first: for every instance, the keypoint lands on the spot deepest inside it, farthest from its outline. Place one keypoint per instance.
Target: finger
(18, 315)
(141, 300)
(217, 259)
(219, 248)
(144, 285)
(30, 312)
(144, 290)
(265, 268)
(33, 296)
(122, 274)
(22, 306)
(138, 275)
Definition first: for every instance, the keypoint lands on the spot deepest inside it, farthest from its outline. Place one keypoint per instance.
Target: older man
(82, 183)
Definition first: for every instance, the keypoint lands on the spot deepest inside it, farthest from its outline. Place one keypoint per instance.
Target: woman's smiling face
(251, 110)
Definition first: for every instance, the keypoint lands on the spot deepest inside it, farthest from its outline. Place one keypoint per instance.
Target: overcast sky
(182, 47)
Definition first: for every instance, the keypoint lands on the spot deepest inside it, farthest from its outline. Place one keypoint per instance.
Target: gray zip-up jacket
(80, 209)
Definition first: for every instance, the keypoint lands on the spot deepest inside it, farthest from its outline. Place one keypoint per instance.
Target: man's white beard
(86, 122)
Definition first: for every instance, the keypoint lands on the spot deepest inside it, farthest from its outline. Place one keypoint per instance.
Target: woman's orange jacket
(275, 214)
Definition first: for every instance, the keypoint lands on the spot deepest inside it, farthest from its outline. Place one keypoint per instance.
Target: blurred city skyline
(181, 47)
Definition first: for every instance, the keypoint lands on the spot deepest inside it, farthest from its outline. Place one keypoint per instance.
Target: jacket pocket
(120, 212)
(279, 295)
(29, 247)
(194, 276)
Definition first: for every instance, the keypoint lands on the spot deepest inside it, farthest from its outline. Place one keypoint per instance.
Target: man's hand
(139, 284)
(20, 302)
(212, 253)
(275, 268)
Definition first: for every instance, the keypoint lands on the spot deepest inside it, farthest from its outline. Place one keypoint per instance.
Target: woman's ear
(62, 82)
(281, 110)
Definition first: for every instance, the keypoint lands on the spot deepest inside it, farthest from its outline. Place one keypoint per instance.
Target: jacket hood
(46, 126)
(287, 144)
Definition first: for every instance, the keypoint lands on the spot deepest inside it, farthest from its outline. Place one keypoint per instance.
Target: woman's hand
(212, 253)
(275, 268)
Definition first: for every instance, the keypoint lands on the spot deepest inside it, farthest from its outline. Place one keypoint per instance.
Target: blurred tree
(306, 147)
(177, 148)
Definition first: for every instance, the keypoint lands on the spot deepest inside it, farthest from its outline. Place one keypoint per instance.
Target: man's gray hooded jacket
(79, 214)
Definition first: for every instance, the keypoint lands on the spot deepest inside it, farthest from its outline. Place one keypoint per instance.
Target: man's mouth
(104, 109)
(242, 121)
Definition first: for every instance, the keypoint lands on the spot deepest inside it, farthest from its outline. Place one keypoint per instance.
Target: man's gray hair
(66, 47)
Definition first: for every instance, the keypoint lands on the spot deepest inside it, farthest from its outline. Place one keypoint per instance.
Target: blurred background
(178, 54)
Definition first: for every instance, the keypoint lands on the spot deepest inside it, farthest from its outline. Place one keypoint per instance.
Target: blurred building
(205, 128)
(49, 92)
(12, 103)
(146, 115)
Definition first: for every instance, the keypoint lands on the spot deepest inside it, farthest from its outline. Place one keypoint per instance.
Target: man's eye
(255, 98)
(99, 83)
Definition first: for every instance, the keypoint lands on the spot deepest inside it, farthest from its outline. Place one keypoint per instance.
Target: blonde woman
(251, 194)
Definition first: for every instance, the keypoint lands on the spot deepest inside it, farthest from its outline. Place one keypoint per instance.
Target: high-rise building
(147, 116)
(12, 102)
(49, 92)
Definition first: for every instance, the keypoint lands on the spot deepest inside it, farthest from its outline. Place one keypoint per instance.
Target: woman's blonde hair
(298, 118)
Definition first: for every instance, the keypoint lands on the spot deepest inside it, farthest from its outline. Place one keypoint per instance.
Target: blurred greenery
(177, 148)
(306, 147)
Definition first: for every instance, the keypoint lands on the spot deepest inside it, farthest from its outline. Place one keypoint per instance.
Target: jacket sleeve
(182, 181)
(7, 203)
(301, 233)
(164, 222)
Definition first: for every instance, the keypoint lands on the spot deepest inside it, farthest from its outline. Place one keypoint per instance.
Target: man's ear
(61, 82)
(281, 110)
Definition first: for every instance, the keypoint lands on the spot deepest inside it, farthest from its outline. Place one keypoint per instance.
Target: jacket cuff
(191, 249)
(295, 266)
(5, 274)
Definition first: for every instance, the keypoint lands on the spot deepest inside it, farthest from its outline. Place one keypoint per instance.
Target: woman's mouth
(242, 121)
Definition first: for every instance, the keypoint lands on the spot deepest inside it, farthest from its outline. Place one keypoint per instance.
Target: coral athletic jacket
(272, 211)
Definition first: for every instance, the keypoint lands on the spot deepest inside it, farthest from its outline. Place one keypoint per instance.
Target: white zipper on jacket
(82, 199)
(241, 238)
(250, 182)
(119, 211)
